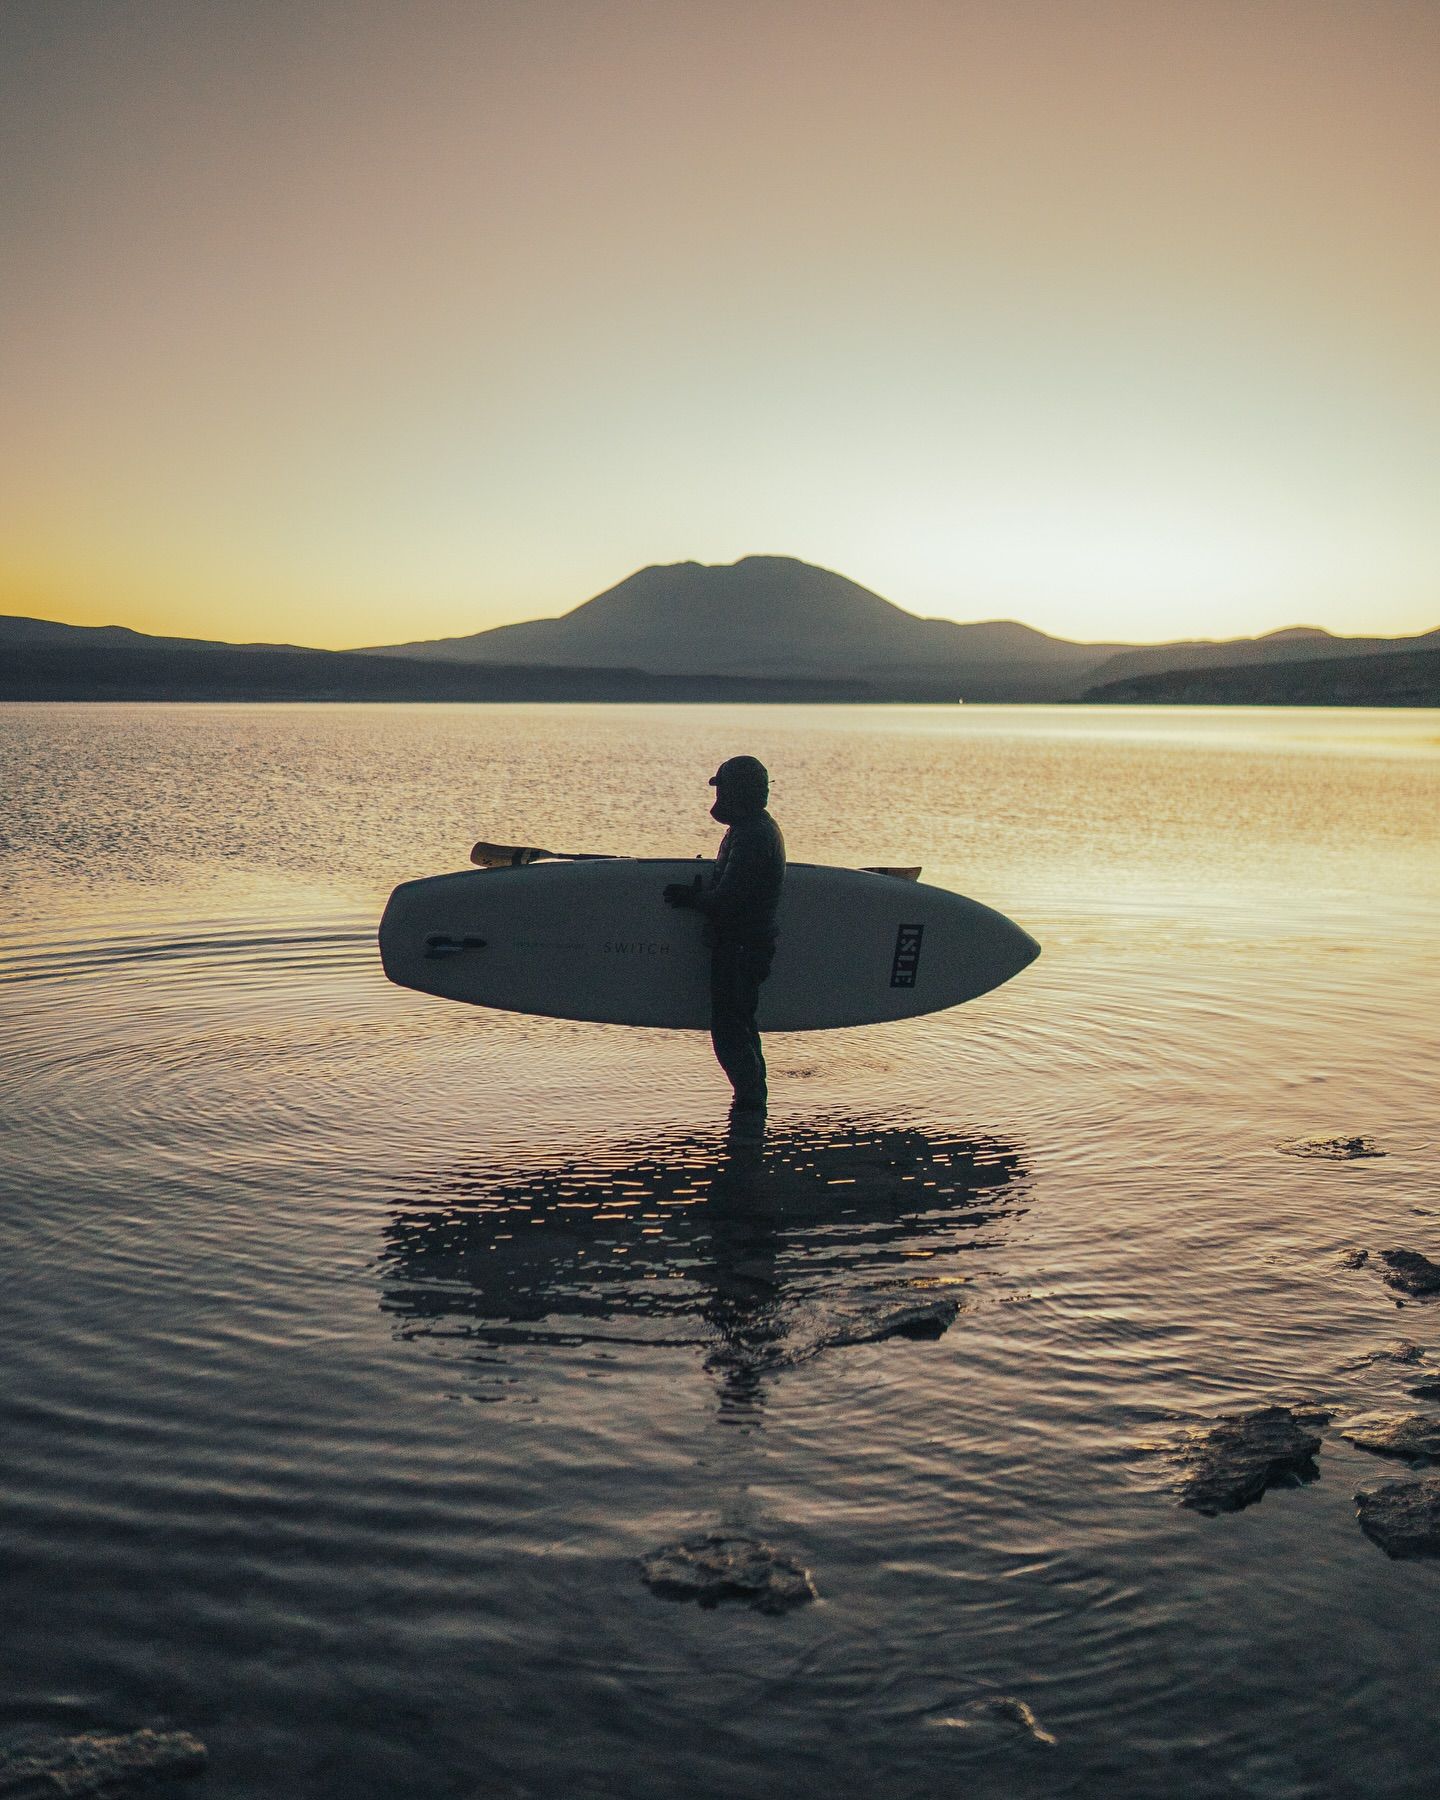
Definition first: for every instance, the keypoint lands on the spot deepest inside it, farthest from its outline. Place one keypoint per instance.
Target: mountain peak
(761, 615)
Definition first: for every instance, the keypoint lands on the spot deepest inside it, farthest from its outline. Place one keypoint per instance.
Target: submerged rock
(1308, 1411)
(1425, 1390)
(726, 1566)
(47, 1766)
(925, 1319)
(1411, 1272)
(1229, 1462)
(997, 1710)
(826, 1322)
(1336, 1149)
(1398, 1350)
(1354, 1259)
(1403, 1517)
(1395, 1434)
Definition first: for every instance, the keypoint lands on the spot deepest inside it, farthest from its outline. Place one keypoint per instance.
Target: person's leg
(734, 994)
(756, 966)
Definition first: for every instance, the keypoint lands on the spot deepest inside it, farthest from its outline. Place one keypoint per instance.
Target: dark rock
(725, 1566)
(1403, 1517)
(1340, 1149)
(1229, 1462)
(1016, 1712)
(1425, 1390)
(1395, 1434)
(46, 1766)
(929, 1318)
(1001, 1710)
(1308, 1411)
(1411, 1272)
(1398, 1350)
(837, 1322)
(1354, 1259)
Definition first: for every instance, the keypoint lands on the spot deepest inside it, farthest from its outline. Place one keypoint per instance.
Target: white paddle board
(595, 940)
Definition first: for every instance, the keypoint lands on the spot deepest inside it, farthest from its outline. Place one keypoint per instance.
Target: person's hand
(681, 894)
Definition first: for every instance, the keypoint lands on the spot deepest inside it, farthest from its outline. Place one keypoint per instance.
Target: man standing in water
(739, 907)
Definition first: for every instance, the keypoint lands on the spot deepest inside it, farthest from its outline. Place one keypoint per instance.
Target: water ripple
(356, 1345)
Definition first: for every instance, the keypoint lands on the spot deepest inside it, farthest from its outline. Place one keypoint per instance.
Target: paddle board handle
(437, 945)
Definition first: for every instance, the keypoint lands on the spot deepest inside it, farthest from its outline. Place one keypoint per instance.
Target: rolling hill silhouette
(782, 619)
(778, 617)
(765, 627)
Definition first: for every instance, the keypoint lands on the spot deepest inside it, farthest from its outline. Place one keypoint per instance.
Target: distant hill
(779, 617)
(766, 627)
(1296, 643)
(1381, 678)
(775, 616)
(40, 660)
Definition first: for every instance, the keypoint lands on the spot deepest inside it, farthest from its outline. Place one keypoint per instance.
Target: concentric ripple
(357, 1346)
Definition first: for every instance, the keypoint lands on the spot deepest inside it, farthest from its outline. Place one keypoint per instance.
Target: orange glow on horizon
(1116, 318)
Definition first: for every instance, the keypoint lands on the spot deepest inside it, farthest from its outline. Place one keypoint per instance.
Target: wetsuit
(740, 910)
(739, 907)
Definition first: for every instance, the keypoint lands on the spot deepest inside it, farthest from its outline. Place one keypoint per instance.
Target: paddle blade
(505, 856)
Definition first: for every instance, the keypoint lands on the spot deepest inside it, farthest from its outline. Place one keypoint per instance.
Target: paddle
(516, 856)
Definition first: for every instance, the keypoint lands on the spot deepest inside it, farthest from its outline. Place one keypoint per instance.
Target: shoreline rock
(1402, 1517)
(1398, 1350)
(1336, 1149)
(721, 1565)
(1411, 1273)
(997, 1709)
(1230, 1462)
(43, 1764)
(920, 1320)
(1394, 1434)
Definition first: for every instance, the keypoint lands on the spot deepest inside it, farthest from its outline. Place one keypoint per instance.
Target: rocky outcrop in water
(726, 1566)
(1395, 1434)
(920, 1319)
(1425, 1390)
(1230, 1462)
(1336, 1149)
(997, 1713)
(1403, 1517)
(1411, 1273)
(835, 1321)
(46, 1766)
(1398, 1350)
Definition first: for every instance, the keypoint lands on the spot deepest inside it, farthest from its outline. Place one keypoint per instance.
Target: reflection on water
(271, 1228)
(764, 1252)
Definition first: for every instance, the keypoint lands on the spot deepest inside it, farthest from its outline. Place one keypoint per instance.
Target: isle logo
(906, 963)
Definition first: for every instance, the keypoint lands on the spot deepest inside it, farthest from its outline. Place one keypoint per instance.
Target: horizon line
(546, 618)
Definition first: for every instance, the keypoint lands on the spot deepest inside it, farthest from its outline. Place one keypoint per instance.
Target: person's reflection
(782, 1247)
(744, 1307)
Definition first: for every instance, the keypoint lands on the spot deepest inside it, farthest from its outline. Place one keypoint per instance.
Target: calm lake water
(356, 1345)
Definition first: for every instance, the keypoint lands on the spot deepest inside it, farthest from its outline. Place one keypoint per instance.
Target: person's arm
(692, 896)
(743, 881)
(743, 884)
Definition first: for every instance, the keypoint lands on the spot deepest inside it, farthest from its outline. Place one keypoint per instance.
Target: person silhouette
(739, 906)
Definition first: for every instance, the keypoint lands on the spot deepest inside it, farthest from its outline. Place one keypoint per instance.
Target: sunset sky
(340, 322)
